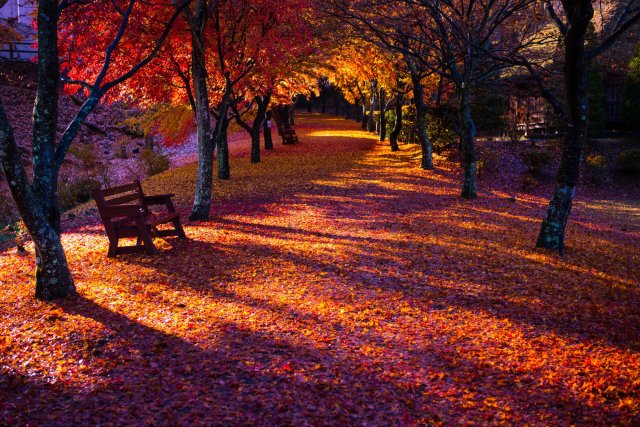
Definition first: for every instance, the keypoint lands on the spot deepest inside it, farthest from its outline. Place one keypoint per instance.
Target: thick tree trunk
(421, 118)
(204, 174)
(268, 138)
(358, 112)
(364, 117)
(372, 106)
(383, 116)
(53, 278)
(37, 203)
(552, 231)
(467, 142)
(45, 114)
(397, 126)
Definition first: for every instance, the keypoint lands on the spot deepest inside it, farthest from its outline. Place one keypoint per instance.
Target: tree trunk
(257, 125)
(364, 117)
(255, 145)
(358, 112)
(383, 116)
(204, 175)
(286, 116)
(53, 278)
(397, 127)
(268, 138)
(347, 110)
(421, 119)
(467, 142)
(552, 231)
(224, 169)
(372, 106)
(45, 114)
(292, 111)
(262, 102)
(37, 203)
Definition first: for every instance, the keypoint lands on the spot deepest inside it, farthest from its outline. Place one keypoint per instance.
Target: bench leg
(148, 244)
(179, 229)
(113, 249)
(145, 235)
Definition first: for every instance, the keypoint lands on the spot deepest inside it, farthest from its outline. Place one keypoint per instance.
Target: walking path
(337, 283)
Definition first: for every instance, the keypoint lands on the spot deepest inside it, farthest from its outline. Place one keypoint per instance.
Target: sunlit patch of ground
(337, 283)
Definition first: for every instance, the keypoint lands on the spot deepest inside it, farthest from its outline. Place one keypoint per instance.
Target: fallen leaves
(336, 284)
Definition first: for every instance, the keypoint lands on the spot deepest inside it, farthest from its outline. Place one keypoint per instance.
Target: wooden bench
(288, 134)
(125, 213)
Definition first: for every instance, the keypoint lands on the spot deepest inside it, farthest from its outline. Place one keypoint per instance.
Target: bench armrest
(121, 210)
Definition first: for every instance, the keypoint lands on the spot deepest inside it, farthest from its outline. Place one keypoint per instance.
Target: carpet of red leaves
(337, 284)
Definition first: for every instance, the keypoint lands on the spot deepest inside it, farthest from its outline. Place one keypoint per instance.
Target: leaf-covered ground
(337, 284)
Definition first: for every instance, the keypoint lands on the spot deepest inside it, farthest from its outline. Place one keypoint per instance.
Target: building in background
(16, 16)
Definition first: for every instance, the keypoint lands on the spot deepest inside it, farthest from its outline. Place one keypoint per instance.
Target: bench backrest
(127, 194)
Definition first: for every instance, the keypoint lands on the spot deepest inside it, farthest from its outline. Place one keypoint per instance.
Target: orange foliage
(336, 283)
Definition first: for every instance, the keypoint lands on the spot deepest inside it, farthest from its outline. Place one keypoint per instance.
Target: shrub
(488, 111)
(154, 161)
(73, 193)
(596, 98)
(629, 161)
(134, 126)
(121, 148)
(596, 167)
(536, 161)
(438, 128)
(489, 161)
(16, 232)
(514, 133)
(442, 136)
(8, 210)
(631, 92)
(408, 132)
(84, 153)
(529, 183)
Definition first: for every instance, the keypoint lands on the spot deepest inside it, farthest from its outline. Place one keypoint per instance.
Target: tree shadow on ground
(251, 377)
(265, 319)
(247, 378)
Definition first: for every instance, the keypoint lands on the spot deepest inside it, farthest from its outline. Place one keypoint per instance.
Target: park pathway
(336, 284)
